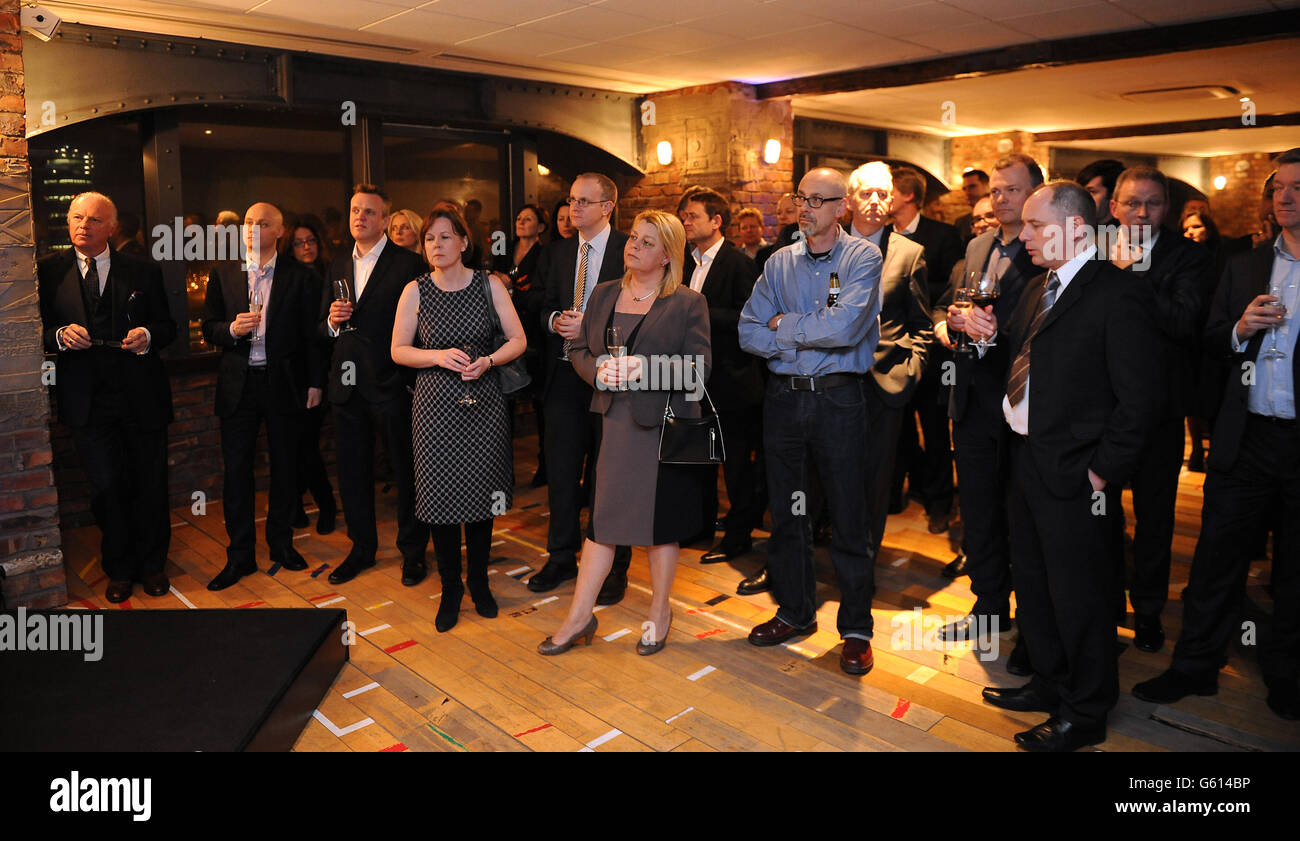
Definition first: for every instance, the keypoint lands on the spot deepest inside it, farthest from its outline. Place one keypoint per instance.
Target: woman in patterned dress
(464, 462)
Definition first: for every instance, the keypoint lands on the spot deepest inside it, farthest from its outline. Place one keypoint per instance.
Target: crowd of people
(822, 353)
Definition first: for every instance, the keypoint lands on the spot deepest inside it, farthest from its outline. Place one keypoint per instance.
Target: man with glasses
(568, 272)
(1180, 274)
(815, 412)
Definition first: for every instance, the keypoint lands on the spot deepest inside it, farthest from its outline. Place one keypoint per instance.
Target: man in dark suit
(975, 184)
(1099, 179)
(1253, 476)
(930, 468)
(370, 392)
(723, 275)
(1180, 275)
(980, 435)
(270, 370)
(568, 272)
(105, 314)
(1080, 411)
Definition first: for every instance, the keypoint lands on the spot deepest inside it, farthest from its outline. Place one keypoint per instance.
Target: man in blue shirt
(815, 412)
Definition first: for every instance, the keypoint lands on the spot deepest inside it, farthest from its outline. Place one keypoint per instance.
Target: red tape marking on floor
(92, 585)
(390, 649)
(534, 730)
(901, 708)
(250, 604)
(397, 748)
(127, 606)
(704, 634)
(321, 596)
(87, 604)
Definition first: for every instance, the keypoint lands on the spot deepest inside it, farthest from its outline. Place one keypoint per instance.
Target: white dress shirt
(362, 267)
(595, 257)
(702, 264)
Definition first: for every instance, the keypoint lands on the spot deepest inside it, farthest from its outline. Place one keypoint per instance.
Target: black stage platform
(169, 680)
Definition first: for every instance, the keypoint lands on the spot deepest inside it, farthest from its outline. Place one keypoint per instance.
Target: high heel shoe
(645, 649)
(587, 634)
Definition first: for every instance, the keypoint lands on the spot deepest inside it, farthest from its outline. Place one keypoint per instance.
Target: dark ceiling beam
(1180, 127)
(1136, 43)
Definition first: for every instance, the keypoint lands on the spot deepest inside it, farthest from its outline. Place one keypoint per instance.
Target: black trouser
(572, 440)
(312, 474)
(930, 468)
(1155, 495)
(1262, 486)
(883, 422)
(126, 466)
(1064, 589)
(743, 473)
(357, 425)
(478, 547)
(238, 448)
(980, 446)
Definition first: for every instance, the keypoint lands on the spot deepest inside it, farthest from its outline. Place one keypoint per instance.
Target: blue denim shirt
(814, 339)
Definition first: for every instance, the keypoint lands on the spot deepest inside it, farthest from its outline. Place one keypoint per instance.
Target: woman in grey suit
(638, 501)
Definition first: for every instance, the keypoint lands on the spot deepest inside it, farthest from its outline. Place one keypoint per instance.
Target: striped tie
(1020, 368)
(579, 290)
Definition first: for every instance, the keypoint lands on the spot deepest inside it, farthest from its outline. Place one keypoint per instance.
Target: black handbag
(691, 440)
(513, 376)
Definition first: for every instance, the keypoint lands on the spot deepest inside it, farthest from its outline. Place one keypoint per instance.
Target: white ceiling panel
(502, 11)
(1091, 19)
(432, 27)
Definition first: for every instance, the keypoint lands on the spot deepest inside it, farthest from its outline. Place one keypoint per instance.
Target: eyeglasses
(303, 243)
(583, 203)
(813, 201)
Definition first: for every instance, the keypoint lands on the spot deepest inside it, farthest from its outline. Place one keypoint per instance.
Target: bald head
(825, 187)
(263, 226)
(92, 219)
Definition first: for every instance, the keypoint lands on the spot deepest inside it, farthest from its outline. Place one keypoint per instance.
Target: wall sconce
(772, 151)
(1220, 182)
(543, 171)
(665, 152)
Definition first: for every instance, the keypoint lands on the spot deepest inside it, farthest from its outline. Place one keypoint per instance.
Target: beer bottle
(835, 290)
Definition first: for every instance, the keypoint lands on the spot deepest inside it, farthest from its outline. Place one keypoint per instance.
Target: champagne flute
(469, 350)
(984, 293)
(614, 344)
(255, 307)
(1272, 352)
(568, 343)
(343, 292)
(961, 300)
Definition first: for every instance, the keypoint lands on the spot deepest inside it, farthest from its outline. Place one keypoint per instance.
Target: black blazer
(134, 290)
(556, 269)
(369, 348)
(942, 251)
(1247, 276)
(1095, 385)
(676, 326)
(293, 359)
(989, 374)
(906, 330)
(737, 379)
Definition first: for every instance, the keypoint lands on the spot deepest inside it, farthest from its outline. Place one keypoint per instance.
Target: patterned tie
(580, 290)
(90, 283)
(1020, 368)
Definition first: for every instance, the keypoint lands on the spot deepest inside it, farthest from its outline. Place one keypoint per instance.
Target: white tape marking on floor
(366, 688)
(701, 673)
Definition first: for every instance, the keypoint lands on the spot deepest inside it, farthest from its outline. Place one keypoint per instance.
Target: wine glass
(343, 292)
(1272, 352)
(614, 344)
(983, 293)
(255, 307)
(469, 350)
(961, 300)
(568, 343)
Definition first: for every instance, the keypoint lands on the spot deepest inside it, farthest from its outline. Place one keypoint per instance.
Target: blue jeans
(827, 429)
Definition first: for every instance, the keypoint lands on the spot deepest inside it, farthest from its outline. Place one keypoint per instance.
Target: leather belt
(817, 383)
(1284, 423)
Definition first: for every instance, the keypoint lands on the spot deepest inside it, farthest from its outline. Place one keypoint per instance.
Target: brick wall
(31, 561)
(1236, 207)
(979, 152)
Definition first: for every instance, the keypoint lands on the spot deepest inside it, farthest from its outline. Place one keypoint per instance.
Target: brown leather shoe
(856, 658)
(118, 591)
(775, 632)
(155, 584)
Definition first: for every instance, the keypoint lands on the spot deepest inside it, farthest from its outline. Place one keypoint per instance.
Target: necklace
(643, 297)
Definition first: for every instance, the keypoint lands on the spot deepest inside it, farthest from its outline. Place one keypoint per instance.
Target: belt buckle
(802, 384)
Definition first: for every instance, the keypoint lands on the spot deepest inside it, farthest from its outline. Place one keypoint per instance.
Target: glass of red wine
(984, 293)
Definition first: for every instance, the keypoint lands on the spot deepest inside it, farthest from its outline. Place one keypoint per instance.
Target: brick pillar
(30, 558)
(979, 151)
(1235, 208)
(717, 134)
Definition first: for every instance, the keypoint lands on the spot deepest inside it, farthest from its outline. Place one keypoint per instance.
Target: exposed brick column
(979, 152)
(1235, 208)
(30, 557)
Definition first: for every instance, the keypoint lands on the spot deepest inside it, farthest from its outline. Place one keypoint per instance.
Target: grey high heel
(587, 634)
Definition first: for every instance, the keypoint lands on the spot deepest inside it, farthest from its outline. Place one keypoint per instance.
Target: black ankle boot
(452, 591)
(479, 591)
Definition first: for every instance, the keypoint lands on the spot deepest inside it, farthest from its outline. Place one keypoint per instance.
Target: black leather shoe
(1284, 698)
(723, 552)
(350, 568)
(756, 583)
(413, 572)
(326, 518)
(938, 521)
(611, 592)
(1056, 736)
(155, 584)
(955, 568)
(1174, 686)
(1018, 662)
(1148, 635)
(1025, 698)
(299, 520)
(119, 591)
(229, 575)
(288, 558)
(973, 625)
(552, 575)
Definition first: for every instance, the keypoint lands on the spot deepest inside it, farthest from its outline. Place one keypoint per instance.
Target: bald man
(105, 315)
(270, 371)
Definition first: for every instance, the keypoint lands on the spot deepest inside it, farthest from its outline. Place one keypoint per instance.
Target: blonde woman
(664, 326)
(404, 229)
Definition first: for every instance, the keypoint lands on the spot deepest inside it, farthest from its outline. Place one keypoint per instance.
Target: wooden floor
(482, 686)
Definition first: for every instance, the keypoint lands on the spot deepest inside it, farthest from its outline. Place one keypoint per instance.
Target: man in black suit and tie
(930, 468)
(369, 391)
(980, 435)
(1181, 276)
(568, 272)
(1099, 179)
(725, 276)
(105, 314)
(1253, 476)
(1080, 411)
(262, 314)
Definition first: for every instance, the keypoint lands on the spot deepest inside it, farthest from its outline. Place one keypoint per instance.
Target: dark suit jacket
(737, 379)
(556, 270)
(942, 251)
(989, 374)
(1095, 385)
(1182, 280)
(906, 330)
(134, 291)
(676, 326)
(369, 347)
(1247, 275)
(293, 359)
